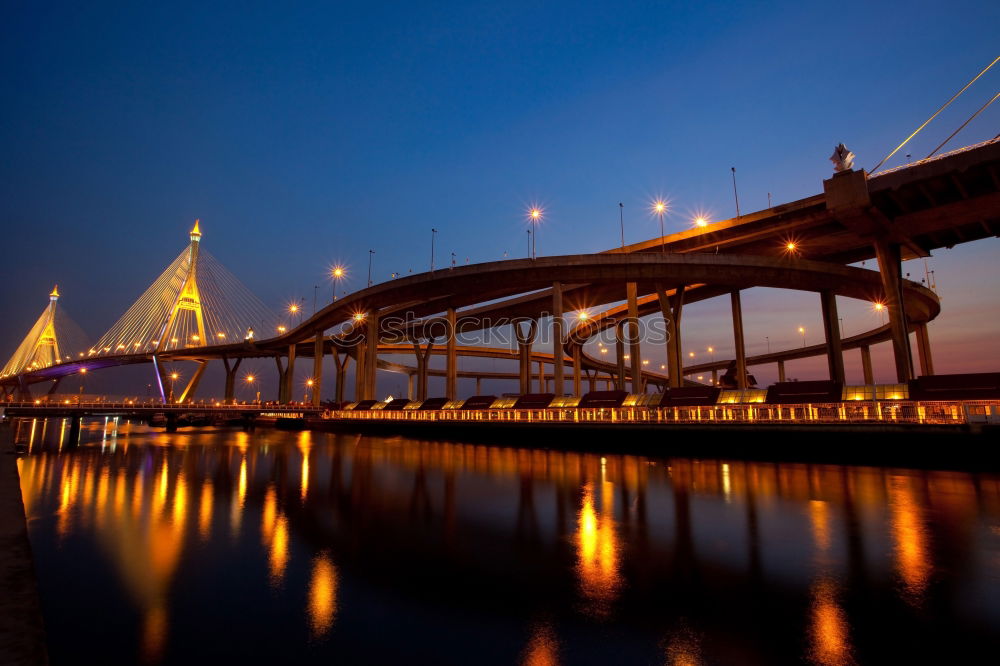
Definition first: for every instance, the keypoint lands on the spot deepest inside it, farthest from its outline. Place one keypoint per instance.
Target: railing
(102, 405)
(871, 412)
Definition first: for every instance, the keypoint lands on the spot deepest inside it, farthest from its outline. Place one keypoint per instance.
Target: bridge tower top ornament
(842, 158)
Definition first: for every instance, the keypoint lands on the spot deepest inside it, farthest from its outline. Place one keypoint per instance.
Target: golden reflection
(597, 549)
(154, 632)
(278, 556)
(236, 505)
(683, 648)
(305, 444)
(819, 516)
(179, 517)
(205, 510)
(542, 648)
(909, 533)
(828, 631)
(322, 595)
(268, 516)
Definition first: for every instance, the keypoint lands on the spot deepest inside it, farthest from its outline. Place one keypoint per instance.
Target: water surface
(204, 545)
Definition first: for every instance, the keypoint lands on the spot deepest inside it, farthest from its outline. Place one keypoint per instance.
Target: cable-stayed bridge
(197, 311)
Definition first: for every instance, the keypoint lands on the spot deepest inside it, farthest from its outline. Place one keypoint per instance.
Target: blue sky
(304, 134)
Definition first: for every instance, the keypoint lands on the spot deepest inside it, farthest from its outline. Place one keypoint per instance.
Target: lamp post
(337, 274)
(660, 208)
(535, 215)
(309, 385)
(251, 382)
(371, 255)
(173, 378)
(621, 220)
(802, 332)
(83, 379)
(433, 235)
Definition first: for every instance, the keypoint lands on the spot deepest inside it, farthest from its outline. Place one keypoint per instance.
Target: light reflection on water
(297, 546)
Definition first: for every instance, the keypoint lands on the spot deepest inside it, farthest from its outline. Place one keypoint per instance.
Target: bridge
(197, 311)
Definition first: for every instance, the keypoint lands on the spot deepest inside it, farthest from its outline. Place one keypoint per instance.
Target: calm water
(306, 547)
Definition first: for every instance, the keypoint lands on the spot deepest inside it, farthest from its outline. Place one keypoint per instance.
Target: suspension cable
(953, 98)
(971, 118)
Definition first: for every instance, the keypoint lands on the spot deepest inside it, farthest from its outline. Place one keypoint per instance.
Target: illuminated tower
(188, 300)
(40, 348)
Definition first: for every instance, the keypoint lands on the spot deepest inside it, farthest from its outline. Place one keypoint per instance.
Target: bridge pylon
(40, 347)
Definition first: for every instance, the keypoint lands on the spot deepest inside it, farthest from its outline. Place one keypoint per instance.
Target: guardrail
(157, 406)
(896, 412)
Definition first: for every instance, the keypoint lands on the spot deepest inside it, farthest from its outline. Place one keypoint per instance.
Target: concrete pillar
(866, 364)
(371, 356)
(409, 386)
(479, 385)
(741, 352)
(317, 377)
(451, 385)
(924, 350)
(671, 307)
(341, 373)
(423, 356)
(715, 377)
(577, 362)
(542, 383)
(360, 351)
(230, 392)
(282, 382)
(831, 331)
(620, 355)
(890, 268)
(635, 348)
(290, 375)
(781, 371)
(557, 338)
(524, 342)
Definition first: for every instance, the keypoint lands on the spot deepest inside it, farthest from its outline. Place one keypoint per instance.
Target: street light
(371, 255)
(535, 216)
(802, 332)
(337, 273)
(660, 209)
(173, 378)
(711, 350)
(251, 381)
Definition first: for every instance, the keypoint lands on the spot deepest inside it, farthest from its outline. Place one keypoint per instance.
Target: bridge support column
(341, 373)
(409, 386)
(781, 371)
(620, 355)
(558, 353)
(317, 378)
(866, 364)
(635, 347)
(577, 370)
(360, 351)
(451, 373)
(715, 377)
(422, 355)
(741, 352)
(282, 374)
(831, 329)
(289, 383)
(671, 308)
(890, 268)
(371, 357)
(524, 342)
(230, 393)
(924, 350)
(188, 393)
(542, 382)
(479, 385)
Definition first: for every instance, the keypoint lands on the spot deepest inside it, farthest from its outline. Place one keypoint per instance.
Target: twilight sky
(303, 134)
